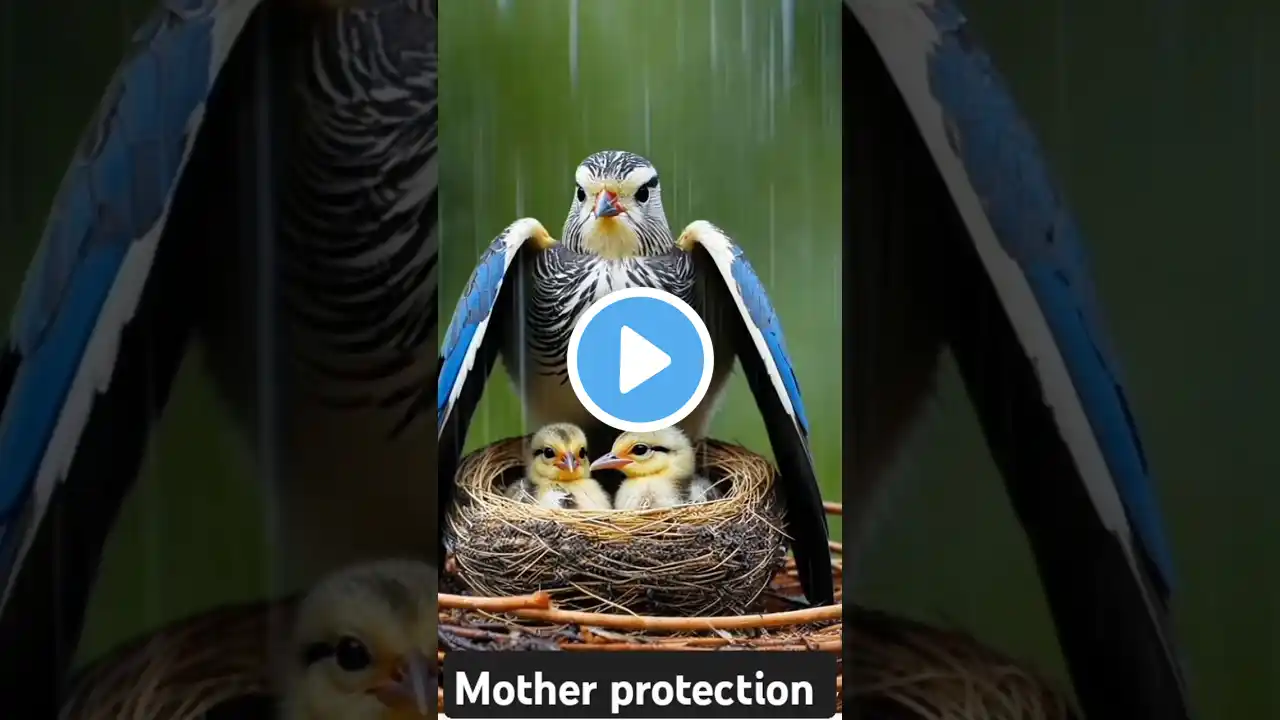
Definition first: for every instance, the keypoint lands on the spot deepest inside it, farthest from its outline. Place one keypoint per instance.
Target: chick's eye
(548, 453)
(582, 194)
(640, 449)
(351, 655)
(582, 453)
(642, 195)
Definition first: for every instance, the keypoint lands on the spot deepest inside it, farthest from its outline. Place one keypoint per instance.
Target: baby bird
(557, 475)
(659, 468)
(364, 646)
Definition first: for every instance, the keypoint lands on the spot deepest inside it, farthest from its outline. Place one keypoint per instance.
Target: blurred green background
(1158, 116)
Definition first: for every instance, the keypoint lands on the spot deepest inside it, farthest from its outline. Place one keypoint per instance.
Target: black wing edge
(1114, 648)
(10, 361)
(453, 434)
(806, 516)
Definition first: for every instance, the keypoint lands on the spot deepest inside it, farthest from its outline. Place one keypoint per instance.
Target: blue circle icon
(640, 359)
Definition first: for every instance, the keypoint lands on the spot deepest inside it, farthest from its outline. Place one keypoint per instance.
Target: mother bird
(528, 291)
(261, 176)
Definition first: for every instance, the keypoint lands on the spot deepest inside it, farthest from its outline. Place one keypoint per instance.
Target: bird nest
(888, 667)
(700, 559)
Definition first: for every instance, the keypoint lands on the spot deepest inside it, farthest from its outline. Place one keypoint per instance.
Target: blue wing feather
(749, 288)
(745, 286)
(116, 191)
(1004, 162)
(475, 309)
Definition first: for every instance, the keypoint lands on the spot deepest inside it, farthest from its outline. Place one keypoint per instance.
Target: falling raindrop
(675, 171)
(713, 40)
(519, 173)
(573, 44)
(504, 6)
(478, 160)
(688, 191)
(824, 102)
(773, 233)
(772, 81)
(648, 117)
(788, 42)
(746, 30)
(680, 40)
(838, 283)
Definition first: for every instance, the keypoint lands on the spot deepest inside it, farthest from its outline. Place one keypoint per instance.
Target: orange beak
(567, 463)
(610, 461)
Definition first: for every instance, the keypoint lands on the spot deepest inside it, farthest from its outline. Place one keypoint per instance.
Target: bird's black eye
(640, 449)
(548, 453)
(351, 655)
(582, 453)
(642, 195)
(582, 194)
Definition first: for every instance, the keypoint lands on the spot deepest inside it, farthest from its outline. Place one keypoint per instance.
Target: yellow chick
(363, 646)
(557, 475)
(659, 469)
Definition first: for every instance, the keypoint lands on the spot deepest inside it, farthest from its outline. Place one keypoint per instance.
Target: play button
(640, 359)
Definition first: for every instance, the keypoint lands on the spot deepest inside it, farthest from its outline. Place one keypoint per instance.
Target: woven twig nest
(700, 559)
(891, 668)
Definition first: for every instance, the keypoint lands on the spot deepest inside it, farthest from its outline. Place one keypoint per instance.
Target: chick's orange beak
(607, 204)
(611, 461)
(567, 463)
(410, 690)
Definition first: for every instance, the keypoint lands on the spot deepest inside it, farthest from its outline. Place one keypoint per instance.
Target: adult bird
(260, 175)
(616, 236)
(957, 238)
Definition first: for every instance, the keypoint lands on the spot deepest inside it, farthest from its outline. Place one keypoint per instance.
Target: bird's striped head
(617, 208)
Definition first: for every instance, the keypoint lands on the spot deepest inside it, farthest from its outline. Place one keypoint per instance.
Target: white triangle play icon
(639, 361)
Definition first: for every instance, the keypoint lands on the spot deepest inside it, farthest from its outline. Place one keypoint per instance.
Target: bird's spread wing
(1032, 254)
(475, 311)
(472, 342)
(761, 348)
(85, 283)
